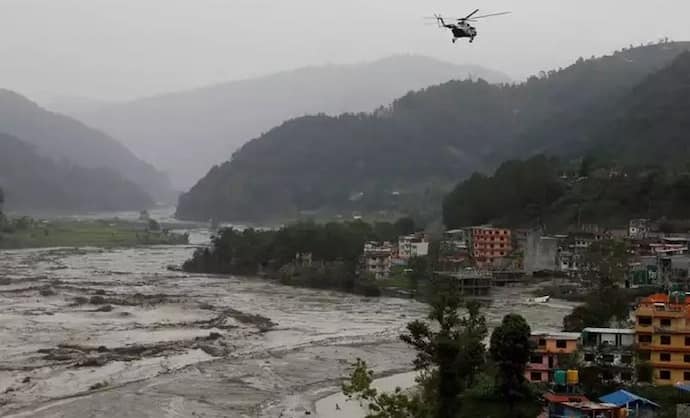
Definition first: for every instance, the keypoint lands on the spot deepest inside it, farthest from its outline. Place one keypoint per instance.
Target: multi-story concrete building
(662, 327)
(540, 253)
(488, 245)
(410, 246)
(549, 348)
(611, 350)
(378, 259)
(638, 228)
(453, 251)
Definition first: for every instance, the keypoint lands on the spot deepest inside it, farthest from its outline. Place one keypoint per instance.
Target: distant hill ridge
(185, 133)
(59, 138)
(414, 150)
(38, 183)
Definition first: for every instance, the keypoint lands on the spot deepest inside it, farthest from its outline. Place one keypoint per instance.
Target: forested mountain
(210, 123)
(652, 123)
(416, 148)
(31, 181)
(638, 166)
(59, 138)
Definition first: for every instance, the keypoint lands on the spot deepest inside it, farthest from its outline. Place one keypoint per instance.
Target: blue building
(637, 406)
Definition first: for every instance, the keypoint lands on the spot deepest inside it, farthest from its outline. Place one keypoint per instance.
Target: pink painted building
(548, 347)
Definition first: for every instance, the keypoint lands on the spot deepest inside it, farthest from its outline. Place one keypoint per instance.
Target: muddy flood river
(113, 333)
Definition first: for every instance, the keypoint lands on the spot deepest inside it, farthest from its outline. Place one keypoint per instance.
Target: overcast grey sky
(119, 49)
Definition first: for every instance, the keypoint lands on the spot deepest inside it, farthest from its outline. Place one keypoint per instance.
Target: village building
(549, 348)
(453, 251)
(410, 246)
(489, 245)
(638, 228)
(662, 327)
(378, 259)
(470, 282)
(540, 253)
(571, 405)
(611, 350)
(635, 406)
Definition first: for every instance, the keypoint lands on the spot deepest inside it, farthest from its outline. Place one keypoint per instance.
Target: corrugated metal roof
(609, 330)
(623, 397)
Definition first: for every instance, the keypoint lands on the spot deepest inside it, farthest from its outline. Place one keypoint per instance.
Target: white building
(611, 349)
(410, 246)
(455, 240)
(378, 259)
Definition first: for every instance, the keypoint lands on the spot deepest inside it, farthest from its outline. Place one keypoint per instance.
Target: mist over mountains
(187, 132)
(407, 156)
(64, 139)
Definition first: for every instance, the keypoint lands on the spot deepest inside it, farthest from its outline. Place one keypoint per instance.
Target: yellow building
(662, 328)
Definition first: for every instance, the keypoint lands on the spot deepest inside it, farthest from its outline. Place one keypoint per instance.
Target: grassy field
(41, 234)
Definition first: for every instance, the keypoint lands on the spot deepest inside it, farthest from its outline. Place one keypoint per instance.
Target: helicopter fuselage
(463, 30)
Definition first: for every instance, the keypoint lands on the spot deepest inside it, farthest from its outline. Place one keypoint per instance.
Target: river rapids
(113, 333)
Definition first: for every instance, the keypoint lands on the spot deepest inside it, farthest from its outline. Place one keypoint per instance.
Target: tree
(381, 405)
(510, 350)
(153, 225)
(451, 356)
(405, 226)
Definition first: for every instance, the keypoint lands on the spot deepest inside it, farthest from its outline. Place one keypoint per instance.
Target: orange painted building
(488, 244)
(547, 348)
(662, 328)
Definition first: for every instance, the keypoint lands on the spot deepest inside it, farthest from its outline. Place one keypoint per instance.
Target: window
(665, 322)
(665, 356)
(535, 376)
(626, 359)
(561, 343)
(542, 342)
(644, 320)
(644, 355)
(686, 376)
(687, 341)
(665, 374)
(608, 358)
(535, 359)
(644, 338)
(665, 340)
(686, 358)
(589, 357)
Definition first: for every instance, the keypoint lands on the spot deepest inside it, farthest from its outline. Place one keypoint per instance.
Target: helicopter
(462, 29)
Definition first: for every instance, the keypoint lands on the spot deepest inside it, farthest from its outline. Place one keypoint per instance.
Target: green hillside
(638, 166)
(417, 148)
(31, 181)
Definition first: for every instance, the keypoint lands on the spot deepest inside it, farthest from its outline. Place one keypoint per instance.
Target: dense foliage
(34, 182)
(510, 349)
(455, 379)
(334, 250)
(518, 192)
(452, 356)
(412, 151)
(533, 192)
(604, 267)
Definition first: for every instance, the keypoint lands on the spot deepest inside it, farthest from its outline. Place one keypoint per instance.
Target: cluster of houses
(659, 259)
(482, 247)
(660, 339)
(380, 257)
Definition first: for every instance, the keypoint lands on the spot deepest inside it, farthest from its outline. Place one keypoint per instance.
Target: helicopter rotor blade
(470, 15)
(489, 15)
